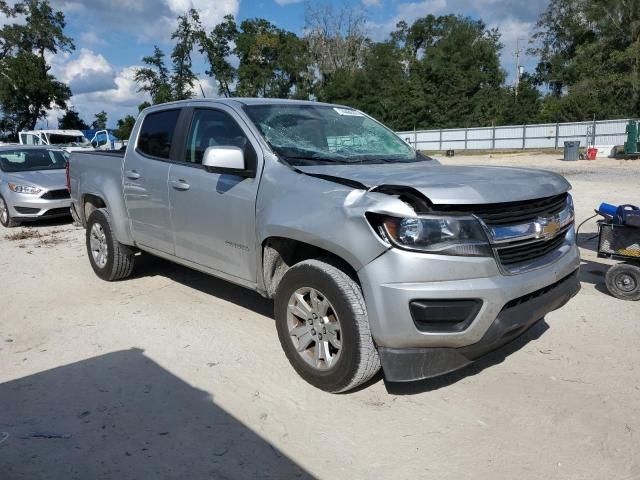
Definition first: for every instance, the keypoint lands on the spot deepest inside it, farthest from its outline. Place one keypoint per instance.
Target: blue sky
(112, 36)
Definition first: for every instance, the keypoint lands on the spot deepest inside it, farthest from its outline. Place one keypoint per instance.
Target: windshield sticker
(348, 112)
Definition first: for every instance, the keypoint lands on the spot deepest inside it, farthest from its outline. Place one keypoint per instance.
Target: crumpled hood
(45, 179)
(453, 184)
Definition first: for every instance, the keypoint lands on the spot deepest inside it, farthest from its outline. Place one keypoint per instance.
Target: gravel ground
(173, 374)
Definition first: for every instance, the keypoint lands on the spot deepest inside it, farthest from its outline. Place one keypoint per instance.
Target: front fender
(322, 213)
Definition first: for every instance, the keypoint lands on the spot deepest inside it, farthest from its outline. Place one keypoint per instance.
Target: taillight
(66, 168)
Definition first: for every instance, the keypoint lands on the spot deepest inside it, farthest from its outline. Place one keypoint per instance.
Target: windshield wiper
(315, 159)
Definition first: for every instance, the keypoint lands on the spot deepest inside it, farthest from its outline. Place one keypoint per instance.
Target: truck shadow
(593, 272)
(489, 360)
(122, 416)
(588, 241)
(148, 265)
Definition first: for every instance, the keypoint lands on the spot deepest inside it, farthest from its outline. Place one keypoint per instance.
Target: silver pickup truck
(376, 256)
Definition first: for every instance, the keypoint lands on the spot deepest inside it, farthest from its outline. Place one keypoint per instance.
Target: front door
(213, 215)
(146, 173)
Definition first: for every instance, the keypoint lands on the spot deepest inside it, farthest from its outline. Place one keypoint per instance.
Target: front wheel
(5, 216)
(623, 281)
(323, 328)
(109, 259)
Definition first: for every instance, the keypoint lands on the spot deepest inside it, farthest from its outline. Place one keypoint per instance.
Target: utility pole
(517, 53)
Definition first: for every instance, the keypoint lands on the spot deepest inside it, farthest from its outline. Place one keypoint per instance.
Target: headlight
(442, 235)
(570, 201)
(26, 189)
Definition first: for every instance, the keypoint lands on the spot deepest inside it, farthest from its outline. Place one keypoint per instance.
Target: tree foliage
(589, 52)
(185, 36)
(124, 127)
(27, 89)
(216, 46)
(71, 121)
(100, 121)
(438, 72)
(154, 78)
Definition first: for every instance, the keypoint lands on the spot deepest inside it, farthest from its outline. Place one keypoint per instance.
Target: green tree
(523, 105)
(216, 47)
(27, 89)
(272, 62)
(100, 122)
(438, 72)
(154, 78)
(589, 58)
(188, 31)
(125, 125)
(381, 87)
(71, 121)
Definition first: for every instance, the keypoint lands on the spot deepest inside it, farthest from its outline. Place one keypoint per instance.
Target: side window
(211, 128)
(157, 132)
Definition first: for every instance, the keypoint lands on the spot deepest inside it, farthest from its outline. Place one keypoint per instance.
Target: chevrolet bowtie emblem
(547, 227)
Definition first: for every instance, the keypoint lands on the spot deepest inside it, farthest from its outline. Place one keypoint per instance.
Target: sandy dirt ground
(173, 374)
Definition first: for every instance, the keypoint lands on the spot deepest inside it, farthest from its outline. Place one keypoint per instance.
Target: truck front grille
(516, 255)
(521, 253)
(512, 213)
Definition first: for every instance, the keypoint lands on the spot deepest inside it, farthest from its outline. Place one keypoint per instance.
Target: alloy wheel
(99, 247)
(314, 328)
(4, 211)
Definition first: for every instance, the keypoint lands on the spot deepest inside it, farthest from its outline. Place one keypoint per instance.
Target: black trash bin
(571, 150)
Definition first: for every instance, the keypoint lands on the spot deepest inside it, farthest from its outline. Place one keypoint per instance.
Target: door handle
(132, 174)
(180, 184)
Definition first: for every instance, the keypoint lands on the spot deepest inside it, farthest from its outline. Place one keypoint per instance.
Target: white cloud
(96, 85)
(92, 38)
(88, 72)
(119, 98)
(123, 99)
(147, 20)
(211, 12)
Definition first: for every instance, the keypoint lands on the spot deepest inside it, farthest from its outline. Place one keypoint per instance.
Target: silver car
(374, 254)
(32, 184)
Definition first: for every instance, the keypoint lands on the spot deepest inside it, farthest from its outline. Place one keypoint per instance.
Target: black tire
(623, 281)
(358, 360)
(5, 219)
(119, 258)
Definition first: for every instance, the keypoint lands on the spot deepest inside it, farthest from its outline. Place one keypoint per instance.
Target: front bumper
(29, 207)
(402, 365)
(408, 353)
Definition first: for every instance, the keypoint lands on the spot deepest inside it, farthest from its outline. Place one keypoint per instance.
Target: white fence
(548, 135)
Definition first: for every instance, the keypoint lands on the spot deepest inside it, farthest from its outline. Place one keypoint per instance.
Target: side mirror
(221, 159)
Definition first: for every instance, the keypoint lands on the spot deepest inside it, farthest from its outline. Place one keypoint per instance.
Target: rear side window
(157, 132)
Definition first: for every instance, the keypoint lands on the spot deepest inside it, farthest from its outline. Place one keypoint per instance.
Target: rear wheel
(5, 216)
(323, 328)
(109, 258)
(623, 281)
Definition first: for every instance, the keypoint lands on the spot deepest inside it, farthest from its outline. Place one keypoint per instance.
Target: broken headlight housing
(444, 235)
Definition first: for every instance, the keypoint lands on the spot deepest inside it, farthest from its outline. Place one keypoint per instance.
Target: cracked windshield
(314, 135)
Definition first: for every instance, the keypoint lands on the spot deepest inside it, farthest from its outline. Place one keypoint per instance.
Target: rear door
(213, 214)
(146, 171)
